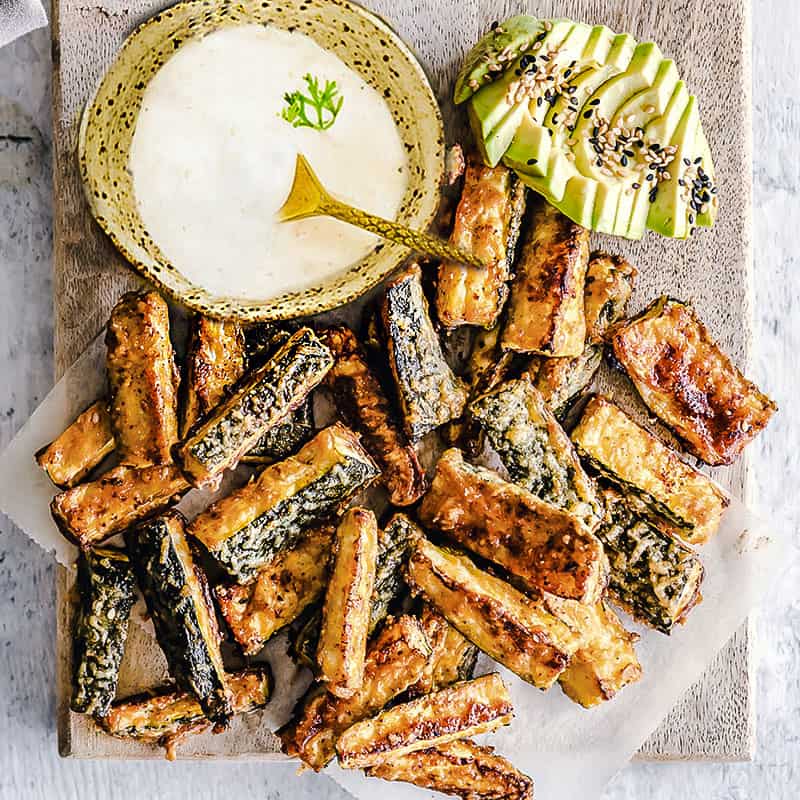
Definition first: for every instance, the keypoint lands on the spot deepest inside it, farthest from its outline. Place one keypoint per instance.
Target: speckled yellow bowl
(363, 41)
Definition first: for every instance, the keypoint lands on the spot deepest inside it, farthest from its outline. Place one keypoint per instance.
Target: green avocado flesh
(600, 125)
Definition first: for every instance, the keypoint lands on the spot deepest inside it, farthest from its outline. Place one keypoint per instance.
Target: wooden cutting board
(710, 42)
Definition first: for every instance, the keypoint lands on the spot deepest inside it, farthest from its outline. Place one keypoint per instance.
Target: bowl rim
(234, 308)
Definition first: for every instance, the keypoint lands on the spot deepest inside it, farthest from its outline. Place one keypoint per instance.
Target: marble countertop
(31, 767)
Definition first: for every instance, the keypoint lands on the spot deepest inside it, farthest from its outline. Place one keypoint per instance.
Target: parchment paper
(570, 753)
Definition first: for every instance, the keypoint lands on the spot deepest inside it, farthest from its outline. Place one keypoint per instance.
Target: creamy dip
(212, 161)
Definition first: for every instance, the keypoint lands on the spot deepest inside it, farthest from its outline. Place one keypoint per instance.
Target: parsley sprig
(324, 105)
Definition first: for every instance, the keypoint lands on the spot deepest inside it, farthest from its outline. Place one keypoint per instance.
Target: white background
(29, 764)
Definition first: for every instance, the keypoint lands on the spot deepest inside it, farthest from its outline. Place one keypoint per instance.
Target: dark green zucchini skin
(281, 527)
(107, 591)
(428, 393)
(261, 401)
(537, 453)
(653, 576)
(261, 343)
(393, 547)
(178, 599)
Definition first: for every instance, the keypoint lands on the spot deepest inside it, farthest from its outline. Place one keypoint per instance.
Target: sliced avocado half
(594, 115)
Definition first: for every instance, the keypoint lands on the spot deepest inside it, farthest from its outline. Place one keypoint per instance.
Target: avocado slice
(643, 108)
(669, 212)
(707, 218)
(515, 35)
(529, 150)
(661, 129)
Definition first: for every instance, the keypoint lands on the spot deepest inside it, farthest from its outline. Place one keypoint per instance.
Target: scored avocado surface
(599, 124)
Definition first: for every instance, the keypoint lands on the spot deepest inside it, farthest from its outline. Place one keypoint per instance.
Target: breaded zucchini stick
(428, 393)
(605, 662)
(142, 379)
(663, 486)
(279, 594)
(214, 363)
(516, 631)
(107, 592)
(177, 596)
(90, 513)
(545, 548)
(245, 531)
(460, 768)
(68, 459)
(342, 643)
(689, 383)
(364, 407)
(545, 312)
(395, 659)
(259, 403)
(487, 223)
(465, 709)
(535, 449)
(167, 716)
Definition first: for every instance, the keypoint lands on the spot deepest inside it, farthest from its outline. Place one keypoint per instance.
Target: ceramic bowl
(359, 38)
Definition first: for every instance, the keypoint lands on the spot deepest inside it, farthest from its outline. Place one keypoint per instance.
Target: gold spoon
(309, 198)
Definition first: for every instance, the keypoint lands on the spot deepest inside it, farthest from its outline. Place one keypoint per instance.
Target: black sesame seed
(587, 114)
(494, 25)
(628, 153)
(640, 143)
(700, 172)
(599, 162)
(518, 72)
(571, 128)
(572, 63)
(714, 190)
(624, 161)
(595, 130)
(636, 185)
(567, 73)
(538, 101)
(595, 102)
(655, 147)
(555, 119)
(681, 182)
(572, 89)
(649, 176)
(652, 196)
(691, 231)
(698, 159)
(598, 149)
(691, 219)
(532, 161)
(550, 131)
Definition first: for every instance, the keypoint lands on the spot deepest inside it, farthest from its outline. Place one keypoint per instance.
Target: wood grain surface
(711, 45)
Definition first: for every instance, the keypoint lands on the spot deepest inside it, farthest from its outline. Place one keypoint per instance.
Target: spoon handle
(309, 198)
(395, 232)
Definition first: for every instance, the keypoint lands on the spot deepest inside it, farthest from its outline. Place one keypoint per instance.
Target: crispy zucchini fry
(168, 716)
(487, 223)
(545, 312)
(393, 545)
(605, 662)
(609, 285)
(90, 513)
(516, 631)
(364, 407)
(342, 644)
(214, 363)
(460, 768)
(465, 709)
(428, 392)
(177, 596)
(563, 381)
(246, 530)
(535, 449)
(261, 343)
(395, 659)
(107, 592)
(642, 466)
(452, 658)
(280, 592)
(143, 380)
(259, 403)
(689, 383)
(544, 547)
(652, 576)
(68, 459)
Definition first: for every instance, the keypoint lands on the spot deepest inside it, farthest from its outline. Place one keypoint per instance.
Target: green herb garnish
(325, 105)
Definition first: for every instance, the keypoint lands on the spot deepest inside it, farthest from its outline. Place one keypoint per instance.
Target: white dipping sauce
(213, 160)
